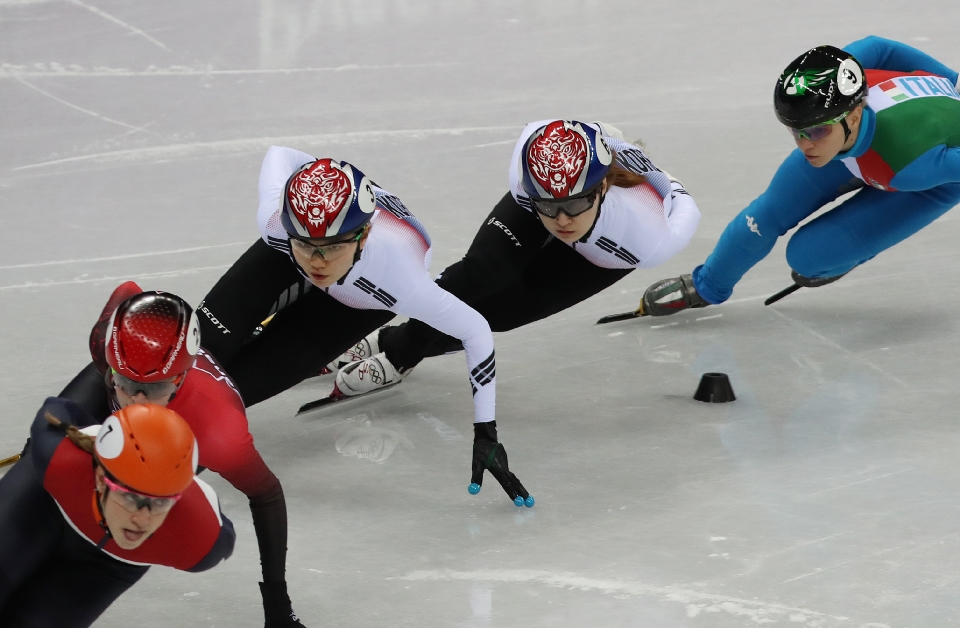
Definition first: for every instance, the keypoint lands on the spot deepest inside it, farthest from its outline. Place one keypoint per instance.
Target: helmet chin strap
(99, 516)
(356, 258)
(846, 130)
(586, 236)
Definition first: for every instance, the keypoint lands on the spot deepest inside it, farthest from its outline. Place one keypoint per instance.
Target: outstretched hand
(489, 454)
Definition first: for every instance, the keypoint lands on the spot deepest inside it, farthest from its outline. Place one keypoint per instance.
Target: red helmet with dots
(152, 336)
(564, 159)
(148, 448)
(326, 198)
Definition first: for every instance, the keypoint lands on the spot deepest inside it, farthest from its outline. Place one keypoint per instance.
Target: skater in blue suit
(878, 116)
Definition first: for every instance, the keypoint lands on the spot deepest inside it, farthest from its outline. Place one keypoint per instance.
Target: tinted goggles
(571, 206)
(817, 131)
(326, 251)
(132, 501)
(150, 390)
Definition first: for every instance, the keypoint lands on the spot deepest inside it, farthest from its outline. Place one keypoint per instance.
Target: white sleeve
(439, 309)
(661, 235)
(278, 164)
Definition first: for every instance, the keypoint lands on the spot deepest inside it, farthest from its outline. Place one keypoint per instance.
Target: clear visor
(150, 390)
(132, 501)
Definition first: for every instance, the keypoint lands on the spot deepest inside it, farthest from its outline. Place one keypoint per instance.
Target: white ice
(826, 495)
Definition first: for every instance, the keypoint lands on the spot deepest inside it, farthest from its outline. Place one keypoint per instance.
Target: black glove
(277, 610)
(490, 454)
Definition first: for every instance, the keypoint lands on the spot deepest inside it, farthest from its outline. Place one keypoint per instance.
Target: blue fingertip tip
(518, 501)
(474, 488)
(529, 501)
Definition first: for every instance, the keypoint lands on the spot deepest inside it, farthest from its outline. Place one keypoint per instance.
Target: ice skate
(799, 281)
(366, 348)
(670, 296)
(360, 378)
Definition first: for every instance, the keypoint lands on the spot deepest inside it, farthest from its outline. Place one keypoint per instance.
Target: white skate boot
(367, 375)
(366, 348)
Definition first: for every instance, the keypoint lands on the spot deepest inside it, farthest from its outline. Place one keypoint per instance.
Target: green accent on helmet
(797, 83)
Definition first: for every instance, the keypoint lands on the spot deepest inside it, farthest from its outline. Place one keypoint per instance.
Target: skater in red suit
(146, 347)
(85, 513)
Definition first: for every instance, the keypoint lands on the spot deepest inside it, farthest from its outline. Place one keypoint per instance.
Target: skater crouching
(584, 209)
(878, 116)
(338, 258)
(146, 348)
(84, 514)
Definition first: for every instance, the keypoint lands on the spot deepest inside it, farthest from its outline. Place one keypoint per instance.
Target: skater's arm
(659, 236)
(446, 313)
(937, 166)
(877, 53)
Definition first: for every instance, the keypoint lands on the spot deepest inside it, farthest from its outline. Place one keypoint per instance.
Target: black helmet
(819, 86)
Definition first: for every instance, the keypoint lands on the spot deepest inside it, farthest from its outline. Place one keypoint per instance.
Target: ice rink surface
(825, 496)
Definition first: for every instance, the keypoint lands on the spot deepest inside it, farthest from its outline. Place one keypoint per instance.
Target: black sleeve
(260, 282)
(270, 523)
(89, 391)
(509, 239)
(44, 438)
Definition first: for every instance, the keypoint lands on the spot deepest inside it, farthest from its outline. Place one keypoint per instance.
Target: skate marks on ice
(22, 276)
(841, 349)
(83, 110)
(200, 150)
(112, 258)
(52, 70)
(446, 432)
(118, 278)
(133, 30)
(697, 603)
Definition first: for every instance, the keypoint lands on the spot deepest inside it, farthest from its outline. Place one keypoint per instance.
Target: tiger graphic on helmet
(564, 159)
(325, 198)
(318, 192)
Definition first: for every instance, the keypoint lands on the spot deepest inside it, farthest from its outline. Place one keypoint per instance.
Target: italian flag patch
(891, 89)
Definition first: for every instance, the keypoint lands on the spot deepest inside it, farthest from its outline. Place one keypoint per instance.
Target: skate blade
(336, 399)
(6, 462)
(783, 293)
(625, 316)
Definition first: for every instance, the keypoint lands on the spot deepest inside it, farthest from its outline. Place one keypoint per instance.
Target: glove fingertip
(518, 501)
(529, 501)
(474, 488)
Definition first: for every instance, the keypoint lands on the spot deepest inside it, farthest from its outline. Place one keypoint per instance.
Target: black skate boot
(670, 296)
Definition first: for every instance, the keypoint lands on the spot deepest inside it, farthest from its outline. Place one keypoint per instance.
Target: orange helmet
(148, 448)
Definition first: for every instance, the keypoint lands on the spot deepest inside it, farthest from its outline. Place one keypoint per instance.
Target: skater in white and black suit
(584, 209)
(338, 258)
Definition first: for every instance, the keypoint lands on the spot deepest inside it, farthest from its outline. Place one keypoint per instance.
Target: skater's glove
(277, 610)
(489, 454)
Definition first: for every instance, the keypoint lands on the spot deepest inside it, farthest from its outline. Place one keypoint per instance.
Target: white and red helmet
(562, 160)
(326, 198)
(152, 336)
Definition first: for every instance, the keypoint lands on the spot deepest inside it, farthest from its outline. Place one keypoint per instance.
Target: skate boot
(813, 282)
(367, 347)
(670, 296)
(367, 375)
